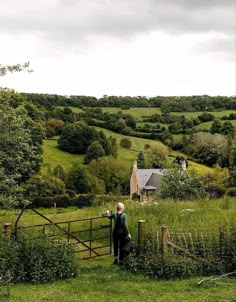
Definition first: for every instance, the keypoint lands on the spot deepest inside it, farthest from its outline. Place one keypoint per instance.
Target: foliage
(53, 127)
(94, 151)
(209, 148)
(80, 201)
(168, 104)
(157, 156)
(232, 166)
(219, 258)
(231, 192)
(36, 260)
(20, 146)
(113, 173)
(59, 172)
(141, 160)
(4, 69)
(125, 143)
(82, 180)
(178, 185)
(76, 138)
(43, 186)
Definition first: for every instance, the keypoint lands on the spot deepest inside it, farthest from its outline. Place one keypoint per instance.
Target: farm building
(143, 182)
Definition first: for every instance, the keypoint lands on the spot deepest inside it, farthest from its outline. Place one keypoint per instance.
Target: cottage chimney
(135, 166)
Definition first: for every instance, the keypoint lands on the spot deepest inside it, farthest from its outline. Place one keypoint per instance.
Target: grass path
(99, 281)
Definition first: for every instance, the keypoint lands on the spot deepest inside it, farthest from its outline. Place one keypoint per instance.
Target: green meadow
(199, 214)
(53, 156)
(99, 280)
(138, 112)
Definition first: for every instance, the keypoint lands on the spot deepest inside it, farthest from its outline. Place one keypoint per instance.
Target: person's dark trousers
(118, 242)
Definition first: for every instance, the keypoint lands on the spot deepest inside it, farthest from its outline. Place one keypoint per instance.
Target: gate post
(7, 230)
(141, 236)
(164, 240)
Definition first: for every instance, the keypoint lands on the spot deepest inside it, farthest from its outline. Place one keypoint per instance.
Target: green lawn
(53, 156)
(99, 281)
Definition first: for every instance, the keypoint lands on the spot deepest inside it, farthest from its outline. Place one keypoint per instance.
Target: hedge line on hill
(80, 201)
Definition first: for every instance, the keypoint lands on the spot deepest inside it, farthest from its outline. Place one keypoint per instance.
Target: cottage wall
(134, 183)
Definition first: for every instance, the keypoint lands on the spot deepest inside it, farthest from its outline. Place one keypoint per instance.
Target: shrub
(215, 190)
(180, 186)
(36, 260)
(44, 186)
(125, 143)
(231, 192)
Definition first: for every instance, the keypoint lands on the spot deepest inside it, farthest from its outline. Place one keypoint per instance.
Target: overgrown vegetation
(36, 260)
(216, 254)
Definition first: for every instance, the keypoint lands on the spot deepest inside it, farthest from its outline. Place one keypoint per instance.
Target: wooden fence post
(7, 230)
(222, 239)
(141, 236)
(164, 240)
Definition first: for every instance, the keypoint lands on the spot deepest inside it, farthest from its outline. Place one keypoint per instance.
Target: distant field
(139, 112)
(53, 156)
(195, 114)
(207, 125)
(136, 111)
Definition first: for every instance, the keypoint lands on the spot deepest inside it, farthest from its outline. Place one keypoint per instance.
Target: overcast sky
(120, 47)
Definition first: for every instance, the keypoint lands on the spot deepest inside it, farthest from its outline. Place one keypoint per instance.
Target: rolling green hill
(53, 156)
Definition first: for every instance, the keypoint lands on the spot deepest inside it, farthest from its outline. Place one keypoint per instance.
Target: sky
(120, 47)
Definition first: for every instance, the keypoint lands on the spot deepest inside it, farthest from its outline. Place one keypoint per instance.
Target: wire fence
(200, 244)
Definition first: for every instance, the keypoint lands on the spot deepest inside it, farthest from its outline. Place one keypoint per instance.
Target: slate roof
(145, 174)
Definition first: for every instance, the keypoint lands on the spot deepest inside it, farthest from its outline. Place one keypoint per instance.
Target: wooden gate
(90, 237)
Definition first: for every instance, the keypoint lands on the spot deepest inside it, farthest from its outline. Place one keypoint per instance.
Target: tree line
(167, 104)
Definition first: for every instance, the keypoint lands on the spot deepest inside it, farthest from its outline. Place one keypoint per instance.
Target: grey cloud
(78, 20)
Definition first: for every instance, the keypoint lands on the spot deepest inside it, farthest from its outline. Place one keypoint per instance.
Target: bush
(215, 190)
(36, 260)
(44, 186)
(125, 143)
(80, 201)
(231, 192)
(180, 186)
(169, 267)
(220, 258)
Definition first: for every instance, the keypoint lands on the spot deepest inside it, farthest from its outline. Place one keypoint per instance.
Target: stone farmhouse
(143, 182)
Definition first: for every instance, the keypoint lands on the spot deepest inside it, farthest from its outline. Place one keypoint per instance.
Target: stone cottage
(145, 181)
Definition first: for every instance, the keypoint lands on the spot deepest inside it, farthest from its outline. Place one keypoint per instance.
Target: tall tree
(20, 146)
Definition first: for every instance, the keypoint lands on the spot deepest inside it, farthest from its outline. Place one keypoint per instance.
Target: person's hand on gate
(129, 236)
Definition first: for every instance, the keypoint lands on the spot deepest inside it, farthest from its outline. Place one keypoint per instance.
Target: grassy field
(99, 281)
(202, 214)
(139, 112)
(207, 125)
(53, 156)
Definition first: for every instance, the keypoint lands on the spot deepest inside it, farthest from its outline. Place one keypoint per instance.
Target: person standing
(120, 232)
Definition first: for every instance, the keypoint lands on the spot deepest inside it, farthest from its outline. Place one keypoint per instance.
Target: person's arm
(110, 215)
(125, 223)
